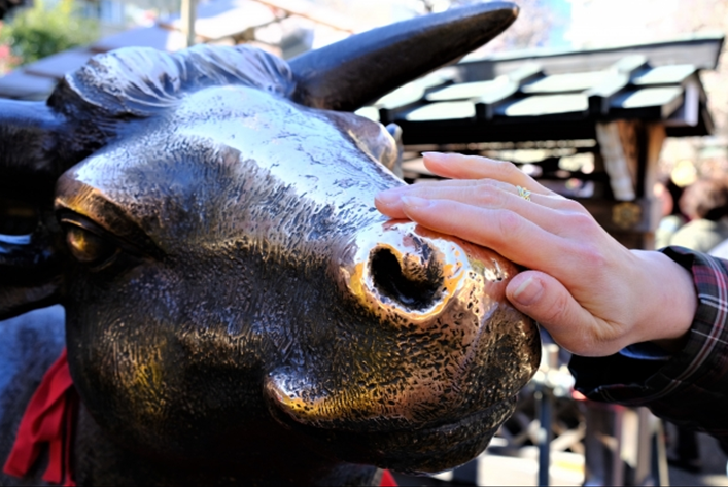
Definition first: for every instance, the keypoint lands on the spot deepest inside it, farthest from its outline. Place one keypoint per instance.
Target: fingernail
(415, 202)
(528, 292)
(392, 195)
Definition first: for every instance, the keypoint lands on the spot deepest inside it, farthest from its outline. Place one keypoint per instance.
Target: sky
(562, 8)
(612, 22)
(592, 23)
(589, 23)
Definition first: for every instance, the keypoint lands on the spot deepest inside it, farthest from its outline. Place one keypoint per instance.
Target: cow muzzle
(436, 361)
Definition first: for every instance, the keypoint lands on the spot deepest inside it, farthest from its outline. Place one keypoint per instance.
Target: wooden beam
(618, 146)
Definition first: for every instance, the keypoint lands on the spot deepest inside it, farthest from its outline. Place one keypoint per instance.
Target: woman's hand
(592, 294)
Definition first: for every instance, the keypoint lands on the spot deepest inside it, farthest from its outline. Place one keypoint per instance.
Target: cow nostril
(414, 283)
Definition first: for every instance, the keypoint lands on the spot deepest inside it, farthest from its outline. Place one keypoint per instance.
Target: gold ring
(524, 193)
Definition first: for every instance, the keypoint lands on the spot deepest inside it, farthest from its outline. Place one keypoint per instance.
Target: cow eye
(87, 247)
(100, 249)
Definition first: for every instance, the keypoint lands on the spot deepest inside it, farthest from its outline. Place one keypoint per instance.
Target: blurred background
(622, 104)
(31, 30)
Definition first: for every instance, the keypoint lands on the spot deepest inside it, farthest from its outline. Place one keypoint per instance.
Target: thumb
(547, 301)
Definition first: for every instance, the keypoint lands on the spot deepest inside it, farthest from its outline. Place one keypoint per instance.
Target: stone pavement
(713, 466)
(567, 469)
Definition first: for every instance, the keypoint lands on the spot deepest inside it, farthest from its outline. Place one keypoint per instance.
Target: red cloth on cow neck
(387, 480)
(47, 419)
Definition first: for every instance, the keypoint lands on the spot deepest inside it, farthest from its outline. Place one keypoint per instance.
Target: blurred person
(647, 328)
(686, 452)
(720, 250)
(705, 203)
(672, 219)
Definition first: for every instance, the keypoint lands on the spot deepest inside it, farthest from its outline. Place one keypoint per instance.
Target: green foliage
(38, 32)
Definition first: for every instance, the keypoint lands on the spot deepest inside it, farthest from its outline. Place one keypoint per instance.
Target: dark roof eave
(547, 127)
(714, 39)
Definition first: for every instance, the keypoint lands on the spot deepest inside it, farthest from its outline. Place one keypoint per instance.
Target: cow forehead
(224, 145)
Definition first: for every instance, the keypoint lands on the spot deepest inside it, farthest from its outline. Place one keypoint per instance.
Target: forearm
(669, 298)
(691, 387)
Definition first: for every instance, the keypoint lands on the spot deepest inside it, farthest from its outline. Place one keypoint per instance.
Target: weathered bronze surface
(236, 310)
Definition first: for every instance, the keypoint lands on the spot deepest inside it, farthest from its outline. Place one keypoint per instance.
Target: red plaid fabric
(691, 387)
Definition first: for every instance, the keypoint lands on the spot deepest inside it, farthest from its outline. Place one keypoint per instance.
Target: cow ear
(30, 264)
(360, 69)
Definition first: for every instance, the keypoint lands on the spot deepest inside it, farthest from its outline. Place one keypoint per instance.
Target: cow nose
(400, 269)
(411, 276)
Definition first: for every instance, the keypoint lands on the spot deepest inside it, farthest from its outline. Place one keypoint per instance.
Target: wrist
(669, 301)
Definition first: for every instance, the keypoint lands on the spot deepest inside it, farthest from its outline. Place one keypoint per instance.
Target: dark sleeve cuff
(691, 387)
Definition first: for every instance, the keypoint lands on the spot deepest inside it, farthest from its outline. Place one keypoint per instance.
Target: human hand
(593, 295)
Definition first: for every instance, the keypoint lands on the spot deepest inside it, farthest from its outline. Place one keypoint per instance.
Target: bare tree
(653, 20)
(533, 27)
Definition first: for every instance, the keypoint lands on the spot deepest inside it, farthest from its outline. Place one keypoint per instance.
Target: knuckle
(501, 186)
(582, 222)
(489, 195)
(506, 170)
(572, 206)
(510, 225)
(591, 256)
(488, 183)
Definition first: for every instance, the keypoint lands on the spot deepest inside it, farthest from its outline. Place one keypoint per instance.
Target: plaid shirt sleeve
(691, 387)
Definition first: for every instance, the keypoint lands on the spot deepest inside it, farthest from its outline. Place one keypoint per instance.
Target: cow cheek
(161, 373)
(119, 345)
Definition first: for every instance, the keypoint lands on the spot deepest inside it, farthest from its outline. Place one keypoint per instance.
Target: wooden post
(617, 146)
(630, 152)
(649, 169)
(188, 10)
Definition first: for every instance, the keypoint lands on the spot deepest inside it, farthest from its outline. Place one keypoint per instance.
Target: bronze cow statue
(236, 310)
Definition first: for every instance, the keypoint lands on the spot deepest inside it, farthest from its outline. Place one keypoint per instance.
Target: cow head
(226, 278)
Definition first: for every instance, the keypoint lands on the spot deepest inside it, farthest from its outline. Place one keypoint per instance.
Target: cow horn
(362, 68)
(29, 155)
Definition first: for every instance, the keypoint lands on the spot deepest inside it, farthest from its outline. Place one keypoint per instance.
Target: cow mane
(139, 82)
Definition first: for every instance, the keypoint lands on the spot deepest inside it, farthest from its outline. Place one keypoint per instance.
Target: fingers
(486, 197)
(459, 166)
(504, 231)
(548, 302)
(483, 193)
